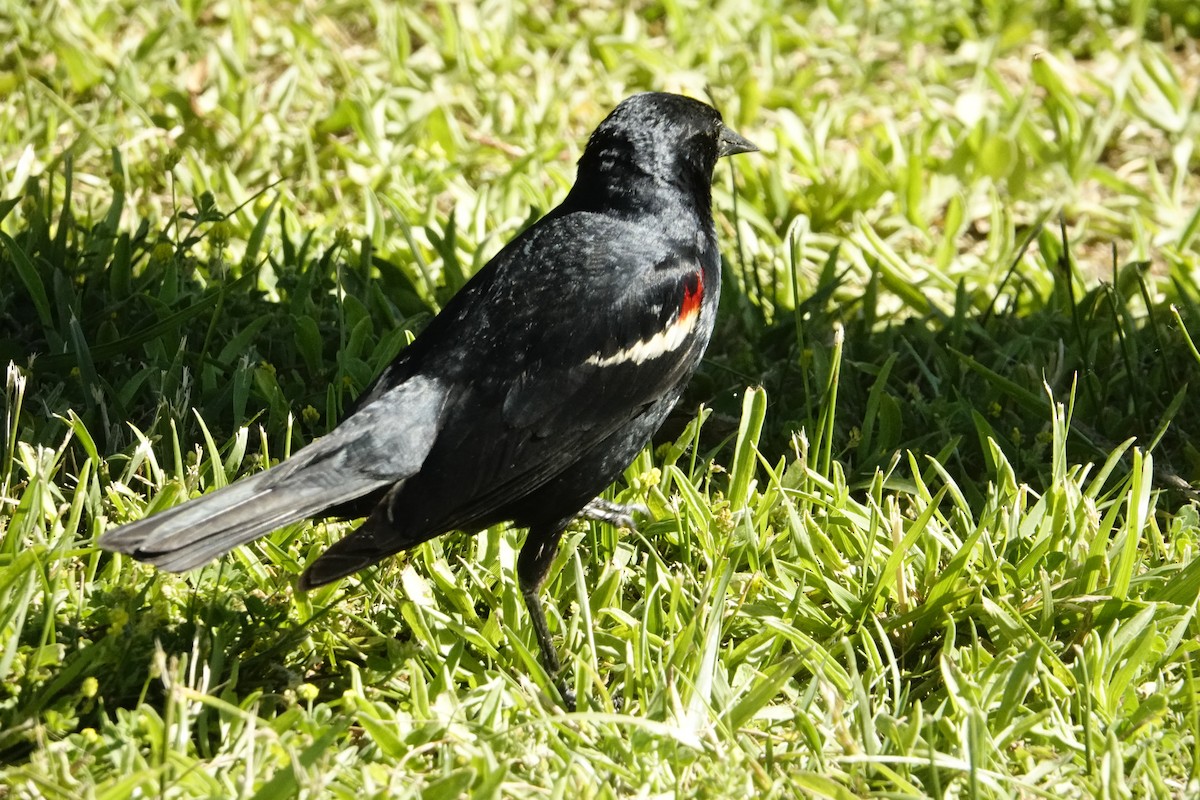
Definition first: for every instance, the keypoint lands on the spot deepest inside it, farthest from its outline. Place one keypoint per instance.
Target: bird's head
(660, 137)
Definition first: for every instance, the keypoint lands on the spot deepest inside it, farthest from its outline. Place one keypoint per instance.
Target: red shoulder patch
(693, 293)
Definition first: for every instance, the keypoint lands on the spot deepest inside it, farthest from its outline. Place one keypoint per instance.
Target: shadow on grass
(1119, 354)
(143, 328)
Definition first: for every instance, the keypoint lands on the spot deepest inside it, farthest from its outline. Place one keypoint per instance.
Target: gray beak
(730, 144)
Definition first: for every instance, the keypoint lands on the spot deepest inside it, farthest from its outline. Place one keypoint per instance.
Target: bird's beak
(730, 144)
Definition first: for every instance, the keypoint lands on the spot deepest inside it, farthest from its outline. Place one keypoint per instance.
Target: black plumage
(530, 392)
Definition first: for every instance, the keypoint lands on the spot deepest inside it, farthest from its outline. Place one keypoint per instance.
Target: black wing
(569, 335)
(617, 321)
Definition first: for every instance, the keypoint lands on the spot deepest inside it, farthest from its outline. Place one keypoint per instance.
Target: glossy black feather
(532, 389)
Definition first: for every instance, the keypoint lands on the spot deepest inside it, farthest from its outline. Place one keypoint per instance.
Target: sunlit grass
(949, 549)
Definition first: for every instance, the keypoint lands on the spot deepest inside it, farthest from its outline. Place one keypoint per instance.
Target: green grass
(949, 548)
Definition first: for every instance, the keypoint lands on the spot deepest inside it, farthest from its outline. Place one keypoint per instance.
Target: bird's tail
(381, 444)
(198, 531)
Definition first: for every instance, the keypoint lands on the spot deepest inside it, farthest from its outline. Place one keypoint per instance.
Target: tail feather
(207, 527)
(382, 444)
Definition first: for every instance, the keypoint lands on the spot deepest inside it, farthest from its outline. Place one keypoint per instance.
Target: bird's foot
(567, 693)
(620, 515)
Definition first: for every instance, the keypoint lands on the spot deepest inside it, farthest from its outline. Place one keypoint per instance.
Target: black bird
(529, 393)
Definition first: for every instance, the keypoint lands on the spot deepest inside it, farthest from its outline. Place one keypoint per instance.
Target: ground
(924, 524)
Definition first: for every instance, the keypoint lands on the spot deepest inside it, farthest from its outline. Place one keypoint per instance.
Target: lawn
(925, 523)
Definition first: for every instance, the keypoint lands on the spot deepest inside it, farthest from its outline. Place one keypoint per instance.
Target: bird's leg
(617, 514)
(533, 563)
